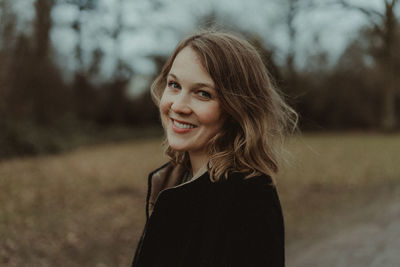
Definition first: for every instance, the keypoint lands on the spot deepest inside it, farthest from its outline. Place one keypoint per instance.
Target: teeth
(183, 125)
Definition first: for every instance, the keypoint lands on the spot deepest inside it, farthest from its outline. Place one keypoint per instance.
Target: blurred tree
(384, 49)
(8, 20)
(7, 41)
(267, 56)
(83, 6)
(32, 93)
(123, 71)
(291, 81)
(143, 105)
(35, 91)
(95, 64)
(114, 104)
(45, 84)
(293, 9)
(351, 88)
(42, 26)
(85, 96)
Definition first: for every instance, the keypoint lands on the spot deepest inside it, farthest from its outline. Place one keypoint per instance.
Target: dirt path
(372, 241)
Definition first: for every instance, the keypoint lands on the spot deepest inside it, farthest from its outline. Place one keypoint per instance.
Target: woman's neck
(197, 160)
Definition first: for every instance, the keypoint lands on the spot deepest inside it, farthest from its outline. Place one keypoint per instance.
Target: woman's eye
(204, 94)
(173, 84)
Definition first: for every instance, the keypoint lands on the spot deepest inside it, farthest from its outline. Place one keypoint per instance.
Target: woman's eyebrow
(196, 85)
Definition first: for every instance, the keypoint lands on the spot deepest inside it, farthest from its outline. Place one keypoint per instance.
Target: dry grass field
(86, 207)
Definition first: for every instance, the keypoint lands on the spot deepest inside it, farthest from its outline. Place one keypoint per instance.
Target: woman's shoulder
(256, 191)
(261, 181)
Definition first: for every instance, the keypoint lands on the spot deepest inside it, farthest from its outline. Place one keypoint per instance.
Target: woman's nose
(180, 103)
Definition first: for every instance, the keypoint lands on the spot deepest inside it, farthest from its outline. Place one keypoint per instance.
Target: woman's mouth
(182, 127)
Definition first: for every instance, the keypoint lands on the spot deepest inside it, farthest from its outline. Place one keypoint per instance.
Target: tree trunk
(390, 42)
(389, 108)
(42, 27)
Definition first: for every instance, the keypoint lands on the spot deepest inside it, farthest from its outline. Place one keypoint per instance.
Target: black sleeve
(255, 229)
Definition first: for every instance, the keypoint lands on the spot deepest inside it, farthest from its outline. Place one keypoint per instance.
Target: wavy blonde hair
(258, 118)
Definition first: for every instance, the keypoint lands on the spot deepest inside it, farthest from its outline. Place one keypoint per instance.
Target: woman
(214, 203)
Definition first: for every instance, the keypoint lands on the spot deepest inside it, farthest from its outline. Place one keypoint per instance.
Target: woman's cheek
(211, 114)
(164, 107)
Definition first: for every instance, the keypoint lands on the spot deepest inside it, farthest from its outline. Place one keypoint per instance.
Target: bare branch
(393, 3)
(368, 12)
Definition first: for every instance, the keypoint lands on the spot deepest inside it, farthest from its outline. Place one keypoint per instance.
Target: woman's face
(190, 110)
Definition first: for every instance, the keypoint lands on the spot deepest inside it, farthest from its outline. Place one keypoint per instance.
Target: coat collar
(168, 176)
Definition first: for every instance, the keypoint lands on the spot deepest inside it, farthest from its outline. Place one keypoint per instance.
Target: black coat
(232, 222)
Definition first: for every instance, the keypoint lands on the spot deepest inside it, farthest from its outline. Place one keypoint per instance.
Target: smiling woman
(190, 110)
(214, 203)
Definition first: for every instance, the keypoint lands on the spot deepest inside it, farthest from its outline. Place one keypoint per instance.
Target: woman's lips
(181, 126)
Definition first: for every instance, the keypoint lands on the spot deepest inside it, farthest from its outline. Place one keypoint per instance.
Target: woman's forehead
(188, 67)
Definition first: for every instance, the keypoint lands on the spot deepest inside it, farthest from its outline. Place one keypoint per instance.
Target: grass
(333, 178)
(86, 207)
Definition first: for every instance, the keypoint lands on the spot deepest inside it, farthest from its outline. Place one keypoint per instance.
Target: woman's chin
(177, 147)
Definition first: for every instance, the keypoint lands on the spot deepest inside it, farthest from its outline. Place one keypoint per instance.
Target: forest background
(79, 132)
(52, 97)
